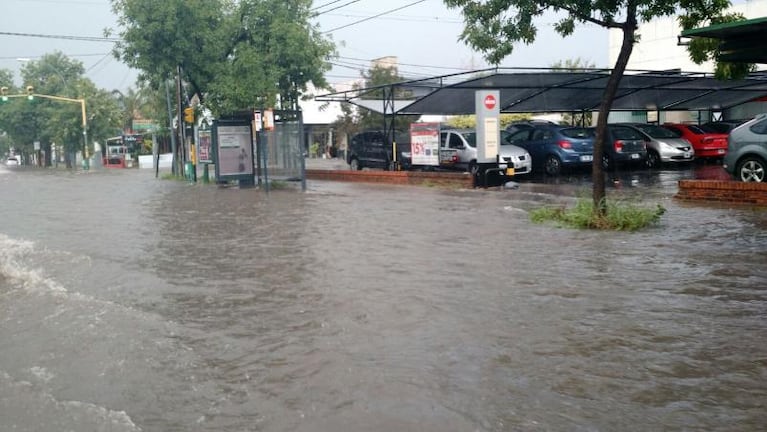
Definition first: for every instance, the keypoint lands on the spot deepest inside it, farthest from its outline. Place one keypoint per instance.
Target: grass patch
(621, 216)
(278, 185)
(171, 176)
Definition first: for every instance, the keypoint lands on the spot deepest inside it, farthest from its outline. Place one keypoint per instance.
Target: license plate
(509, 172)
(634, 155)
(587, 158)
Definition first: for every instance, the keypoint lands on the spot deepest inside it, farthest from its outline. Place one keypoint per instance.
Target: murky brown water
(129, 303)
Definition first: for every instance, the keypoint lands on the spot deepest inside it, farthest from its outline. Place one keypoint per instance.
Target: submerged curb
(442, 179)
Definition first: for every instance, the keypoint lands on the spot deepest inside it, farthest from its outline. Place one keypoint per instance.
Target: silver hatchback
(664, 146)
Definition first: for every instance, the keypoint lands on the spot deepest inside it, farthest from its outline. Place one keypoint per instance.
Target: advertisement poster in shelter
(424, 143)
(203, 142)
(235, 151)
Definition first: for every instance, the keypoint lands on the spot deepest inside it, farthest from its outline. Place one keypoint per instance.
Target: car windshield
(625, 133)
(471, 138)
(656, 131)
(578, 132)
(697, 130)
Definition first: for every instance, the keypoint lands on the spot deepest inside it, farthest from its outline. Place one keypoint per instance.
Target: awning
(741, 41)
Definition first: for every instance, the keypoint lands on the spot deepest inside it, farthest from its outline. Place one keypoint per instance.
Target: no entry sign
(490, 102)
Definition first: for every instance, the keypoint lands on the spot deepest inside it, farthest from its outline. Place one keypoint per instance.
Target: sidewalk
(326, 164)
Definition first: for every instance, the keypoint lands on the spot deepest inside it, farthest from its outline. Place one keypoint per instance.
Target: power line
(68, 55)
(64, 37)
(404, 18)
(407, 64)
(335, 8)
(326, 4)
(375, 16)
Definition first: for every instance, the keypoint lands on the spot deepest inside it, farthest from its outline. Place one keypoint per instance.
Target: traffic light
(189, 115)
(30, 92)
(3, 91)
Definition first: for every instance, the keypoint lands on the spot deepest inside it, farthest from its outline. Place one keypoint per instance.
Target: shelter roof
(556, 90)
(741, 41)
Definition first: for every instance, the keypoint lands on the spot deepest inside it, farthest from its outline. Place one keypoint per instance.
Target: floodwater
(129, 303)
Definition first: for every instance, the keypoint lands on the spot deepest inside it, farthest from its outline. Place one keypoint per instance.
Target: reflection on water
(369, 307)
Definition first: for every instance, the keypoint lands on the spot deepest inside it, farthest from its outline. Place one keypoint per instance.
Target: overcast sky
(423, 36)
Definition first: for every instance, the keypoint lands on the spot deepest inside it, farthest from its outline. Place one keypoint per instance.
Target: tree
(377, 76)
(470, 121)
(575, 65)
(354, 119)
(233, 55)
(132, 105)
(494, 27)
(57, 121)
(6, 81)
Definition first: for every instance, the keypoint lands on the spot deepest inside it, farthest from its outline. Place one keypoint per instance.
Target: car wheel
(652, 160)
(552, 165)
(355, 165)
(751, 169)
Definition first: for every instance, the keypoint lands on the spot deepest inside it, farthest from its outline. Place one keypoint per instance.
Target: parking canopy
(557, 90)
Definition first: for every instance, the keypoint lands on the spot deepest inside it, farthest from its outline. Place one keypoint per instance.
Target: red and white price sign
(424, 143)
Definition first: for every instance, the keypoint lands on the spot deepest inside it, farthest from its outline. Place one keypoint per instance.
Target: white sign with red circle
(490, 102)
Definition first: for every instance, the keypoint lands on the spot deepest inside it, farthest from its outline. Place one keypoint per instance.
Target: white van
(458, 150)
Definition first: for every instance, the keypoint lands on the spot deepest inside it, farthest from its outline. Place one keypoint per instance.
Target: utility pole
(172, 132)
(180, 117)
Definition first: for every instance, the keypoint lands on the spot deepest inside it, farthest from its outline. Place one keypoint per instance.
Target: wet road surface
(129, 303)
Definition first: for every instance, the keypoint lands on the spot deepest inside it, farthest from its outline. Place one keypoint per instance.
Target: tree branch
(588, 18)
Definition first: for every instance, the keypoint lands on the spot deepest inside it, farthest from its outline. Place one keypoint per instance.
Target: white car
(12, 161)
(458, 149)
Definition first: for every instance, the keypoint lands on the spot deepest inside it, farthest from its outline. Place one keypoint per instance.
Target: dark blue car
(555, 147)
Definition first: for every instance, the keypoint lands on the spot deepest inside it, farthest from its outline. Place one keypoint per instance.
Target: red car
(706, 144)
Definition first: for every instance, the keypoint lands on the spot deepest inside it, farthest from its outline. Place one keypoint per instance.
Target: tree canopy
(353, 119)
(495, 27)
(233, 54)
(48, 120)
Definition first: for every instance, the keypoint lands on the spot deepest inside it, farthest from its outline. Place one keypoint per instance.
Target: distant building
(388, 62)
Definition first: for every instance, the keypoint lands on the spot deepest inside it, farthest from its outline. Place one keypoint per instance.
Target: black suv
(369, 149)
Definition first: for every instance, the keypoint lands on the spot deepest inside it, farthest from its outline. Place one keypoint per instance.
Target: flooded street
(129, 303)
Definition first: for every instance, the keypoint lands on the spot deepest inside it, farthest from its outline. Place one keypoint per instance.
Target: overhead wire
(326, 4)
(63, 37)
(375, 16)
(336, 8)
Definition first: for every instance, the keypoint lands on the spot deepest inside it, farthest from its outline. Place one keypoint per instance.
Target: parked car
(458, 150)
(746, 157)
(555, 147)
(663, 146)
(722, 126)
(527, 124)
(368, 149)
(12, 161)
(623, 145)
(706, 144)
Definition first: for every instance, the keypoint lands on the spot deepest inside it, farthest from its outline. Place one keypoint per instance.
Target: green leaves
(234, 55)
(59, 121)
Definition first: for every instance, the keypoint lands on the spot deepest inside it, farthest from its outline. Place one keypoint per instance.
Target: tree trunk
(598, 178)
